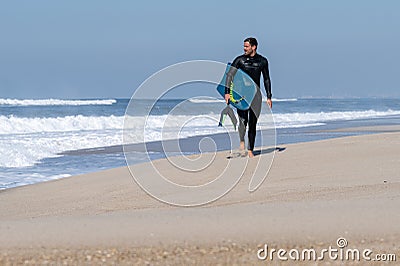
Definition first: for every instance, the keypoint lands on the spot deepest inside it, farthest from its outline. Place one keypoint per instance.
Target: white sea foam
(28, 149)
(206, 100)
(214, 100)
(283, 100)
(19, 125)
(44, 102)
(23, 125)
(303, 118)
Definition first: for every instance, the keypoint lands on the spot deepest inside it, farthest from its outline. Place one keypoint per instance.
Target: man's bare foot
(250, 153)
(242, 145)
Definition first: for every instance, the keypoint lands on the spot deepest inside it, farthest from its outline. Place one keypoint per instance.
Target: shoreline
(157, 145)
(114, 154)
(315, 193)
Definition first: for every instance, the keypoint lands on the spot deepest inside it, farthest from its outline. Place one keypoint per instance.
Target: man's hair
(252, 41)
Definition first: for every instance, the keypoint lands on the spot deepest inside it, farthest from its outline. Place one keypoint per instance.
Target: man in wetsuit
(252, 64)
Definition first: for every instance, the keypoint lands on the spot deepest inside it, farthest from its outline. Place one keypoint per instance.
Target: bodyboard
(243, 89)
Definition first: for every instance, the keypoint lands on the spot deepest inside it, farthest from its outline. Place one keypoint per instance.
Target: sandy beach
(315, 193)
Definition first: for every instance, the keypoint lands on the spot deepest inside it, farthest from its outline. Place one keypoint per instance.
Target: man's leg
(254, 113)
(252, 132)
(243, 119)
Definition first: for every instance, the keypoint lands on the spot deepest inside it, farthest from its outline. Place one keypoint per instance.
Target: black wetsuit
(254, 67)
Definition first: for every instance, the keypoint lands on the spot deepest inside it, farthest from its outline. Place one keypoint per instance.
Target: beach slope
(315, 193)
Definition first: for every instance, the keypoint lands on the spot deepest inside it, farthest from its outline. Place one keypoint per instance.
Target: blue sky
(103, 49)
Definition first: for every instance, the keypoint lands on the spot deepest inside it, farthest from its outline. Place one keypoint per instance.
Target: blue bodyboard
(243, 90)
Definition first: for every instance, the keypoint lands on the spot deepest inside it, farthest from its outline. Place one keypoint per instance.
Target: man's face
(248, 49)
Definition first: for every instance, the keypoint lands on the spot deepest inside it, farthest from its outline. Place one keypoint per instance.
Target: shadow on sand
(269, 150)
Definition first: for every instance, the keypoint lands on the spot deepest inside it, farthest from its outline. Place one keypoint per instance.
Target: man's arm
(229, 78)
(267, 83)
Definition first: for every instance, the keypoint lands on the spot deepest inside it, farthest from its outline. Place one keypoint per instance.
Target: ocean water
(53, 138)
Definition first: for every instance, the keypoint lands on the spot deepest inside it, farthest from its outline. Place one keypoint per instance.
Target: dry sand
(315, 193)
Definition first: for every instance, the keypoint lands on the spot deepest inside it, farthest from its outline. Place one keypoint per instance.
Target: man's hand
(227, 97)
(269, 102)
